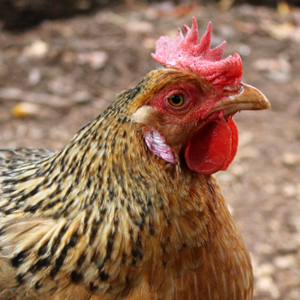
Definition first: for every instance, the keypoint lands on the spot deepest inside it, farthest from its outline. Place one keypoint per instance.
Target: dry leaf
(279, 32)
(25, 109)
(37, 49)
(283, 8)
(95, 59)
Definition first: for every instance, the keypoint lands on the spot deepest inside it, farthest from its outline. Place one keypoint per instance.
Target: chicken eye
(176, 100)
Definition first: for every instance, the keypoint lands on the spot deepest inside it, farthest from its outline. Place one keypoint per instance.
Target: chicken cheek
(212, 148)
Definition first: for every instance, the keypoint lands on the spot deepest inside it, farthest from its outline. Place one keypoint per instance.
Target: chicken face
(188, 115)
(189, 120)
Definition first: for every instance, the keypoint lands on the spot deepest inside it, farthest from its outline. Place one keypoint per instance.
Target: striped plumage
(106, 219)
(101, 215)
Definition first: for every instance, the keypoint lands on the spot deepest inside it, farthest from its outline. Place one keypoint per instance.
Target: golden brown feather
(105, 219)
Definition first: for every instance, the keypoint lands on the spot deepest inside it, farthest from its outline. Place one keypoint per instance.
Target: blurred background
(63, 61)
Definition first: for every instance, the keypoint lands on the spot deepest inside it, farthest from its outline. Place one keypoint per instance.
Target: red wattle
(234, 141)
(213, 147)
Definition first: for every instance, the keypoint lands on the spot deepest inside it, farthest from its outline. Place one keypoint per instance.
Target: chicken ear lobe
(213, 147)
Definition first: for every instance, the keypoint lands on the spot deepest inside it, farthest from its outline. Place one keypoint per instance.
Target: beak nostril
(247, 98)
(231, 88)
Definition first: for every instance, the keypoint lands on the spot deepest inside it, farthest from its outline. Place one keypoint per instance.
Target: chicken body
(106, 218)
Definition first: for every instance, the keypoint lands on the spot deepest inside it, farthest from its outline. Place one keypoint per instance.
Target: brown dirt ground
(71, 69)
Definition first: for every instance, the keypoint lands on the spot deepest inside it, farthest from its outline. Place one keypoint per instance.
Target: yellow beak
(248, 98)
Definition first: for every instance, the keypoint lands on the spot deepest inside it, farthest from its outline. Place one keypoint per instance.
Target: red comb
(186, 53)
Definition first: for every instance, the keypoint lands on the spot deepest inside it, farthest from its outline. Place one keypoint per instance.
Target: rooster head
(188, 107)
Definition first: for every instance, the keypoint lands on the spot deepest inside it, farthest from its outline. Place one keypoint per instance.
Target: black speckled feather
(105, 219)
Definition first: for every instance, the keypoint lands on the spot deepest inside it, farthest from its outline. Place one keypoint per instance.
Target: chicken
(130, 208)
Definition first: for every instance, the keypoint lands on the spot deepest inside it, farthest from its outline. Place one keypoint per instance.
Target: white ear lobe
(158, 146)
(154, 140)
(142, 114)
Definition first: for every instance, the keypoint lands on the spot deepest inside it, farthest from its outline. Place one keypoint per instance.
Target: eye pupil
(176, 100)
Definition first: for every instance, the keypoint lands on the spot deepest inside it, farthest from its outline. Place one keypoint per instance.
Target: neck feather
(112, 198)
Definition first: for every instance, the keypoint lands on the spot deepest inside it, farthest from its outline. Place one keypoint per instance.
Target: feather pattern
(96, 220)
(123, 212)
